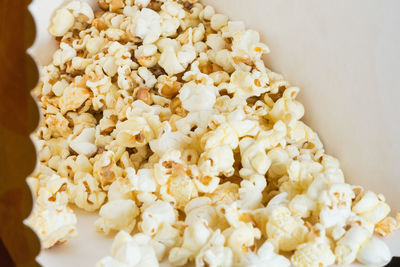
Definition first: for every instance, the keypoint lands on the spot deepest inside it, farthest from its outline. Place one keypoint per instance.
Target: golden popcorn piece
(73, 98)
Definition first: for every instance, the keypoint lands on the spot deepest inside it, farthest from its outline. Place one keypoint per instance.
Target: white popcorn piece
(370, 207)
(81, 10)
(215, 42)
(207, 13)
(63, 55)
(86, 193)
(213, 253)
(200, 208)
(302, 205)
(253, 157)
(130, 251)
(265, 257)
(374, 252)
(143, 181)
(52, 191)
(217, 160)
(155, 215)
(186, 55)
(224, 134)
(313, 254)
(53, 225)
(218, 21)
(169, 141)
(316, 252)
(121, 188)
(336, 205)
(197, 98)
(84, 142)
(147, 25)
(117, 215)
(348, 246)
(250, 192)
(240, 239)
(285, 230)
(195, 237)
(62, 22)
(134, 132)
(169, 61)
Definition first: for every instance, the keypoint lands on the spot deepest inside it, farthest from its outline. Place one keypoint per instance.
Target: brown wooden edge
(19, 117)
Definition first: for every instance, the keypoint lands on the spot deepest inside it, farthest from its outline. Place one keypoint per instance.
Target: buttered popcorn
(161, 116)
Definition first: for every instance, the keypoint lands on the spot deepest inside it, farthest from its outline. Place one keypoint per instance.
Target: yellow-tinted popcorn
(286, 231)
(265, 256)
(53, 225)
(117, 215)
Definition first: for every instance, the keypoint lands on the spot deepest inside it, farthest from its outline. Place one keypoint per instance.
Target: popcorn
(147, 25)
(217, 160)
(53, 225)
(147, 55)
(134, 132)
(240, 239)
(169, 61)
(194, 238)
(81, 10)
(105, 170)
(316, 252)
(197, 98)
(284, 230)
(179, 190)
(95, 44)
(374, 253)
(117, 215)
(214, 253)
(224, 134)
(265, 256)
(73, 98)
(215, 42)
(52, 191)
(218, 21)
(371, 208)
(336, 201)
(162, 113)
(348, 246)
(121, 188)
(130, 251)
(155, 215)
(86, 193)
(142, 181)
(142, 3)
(169, 141)
(200, 208)
(254, 159)
(84, 142)
(62, 22)
(63, 55)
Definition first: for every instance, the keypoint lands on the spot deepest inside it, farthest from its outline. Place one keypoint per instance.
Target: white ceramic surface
(342, 54)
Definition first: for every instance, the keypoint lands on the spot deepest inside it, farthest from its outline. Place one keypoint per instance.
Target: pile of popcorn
(161, 116)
